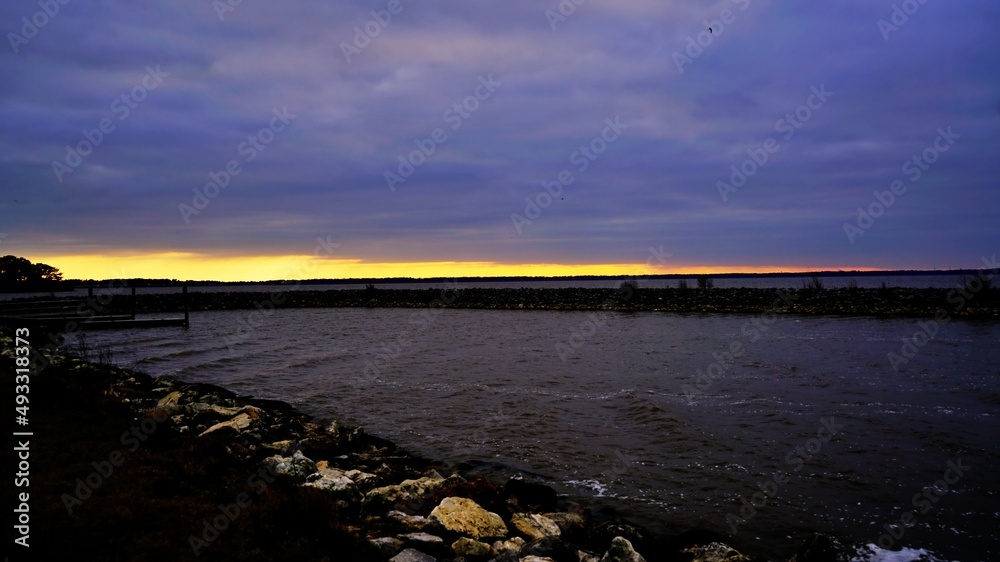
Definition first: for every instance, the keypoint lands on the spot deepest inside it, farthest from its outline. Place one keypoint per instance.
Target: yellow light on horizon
(201, 267)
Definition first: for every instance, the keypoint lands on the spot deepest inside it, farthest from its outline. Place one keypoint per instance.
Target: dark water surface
(610, 407)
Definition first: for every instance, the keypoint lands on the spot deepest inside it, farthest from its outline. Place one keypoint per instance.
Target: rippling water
(610, 406)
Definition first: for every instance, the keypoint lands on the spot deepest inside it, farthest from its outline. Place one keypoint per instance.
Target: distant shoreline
(975, 301)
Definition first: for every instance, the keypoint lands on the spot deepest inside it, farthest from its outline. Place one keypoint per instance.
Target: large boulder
(465, 517)
(335, 482)
(408, 492)
(298, 467)
(171, 402)
(567, 522)
(621, 551)
(534, 526)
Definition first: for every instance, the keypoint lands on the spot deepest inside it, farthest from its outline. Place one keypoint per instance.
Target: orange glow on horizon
(201, 267)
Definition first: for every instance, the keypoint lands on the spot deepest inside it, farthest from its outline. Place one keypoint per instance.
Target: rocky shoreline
(976, 300)
(200, 472)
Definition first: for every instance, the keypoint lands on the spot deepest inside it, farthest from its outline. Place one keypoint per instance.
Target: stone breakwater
(970, 301)
(388, 505)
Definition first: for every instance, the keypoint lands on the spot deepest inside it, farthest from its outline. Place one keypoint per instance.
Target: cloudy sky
(255, 140)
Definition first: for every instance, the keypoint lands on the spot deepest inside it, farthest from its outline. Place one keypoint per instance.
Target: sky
(249, 140)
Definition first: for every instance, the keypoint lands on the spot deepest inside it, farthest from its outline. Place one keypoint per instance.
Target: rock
(531, 496)
(335, 482)
(412, 555)
(471, 548)
(238, 423)
(534, 526)
(715, 552)
(567, 521)
(466, 517)
(406, 491)
(412, 522)
(202, 408)
(297, 467)
(537, 559)
(513, 544)
(506, 556)
(170, 402)
(359, 477)
(551, 547)
(253, 412)
(587, 557)
(283, 447)
(387, 546)
(425, 540)
(621, 551)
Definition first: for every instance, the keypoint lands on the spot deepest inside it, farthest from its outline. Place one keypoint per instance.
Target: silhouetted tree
(15, 271)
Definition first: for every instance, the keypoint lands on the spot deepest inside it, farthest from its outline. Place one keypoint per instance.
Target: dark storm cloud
(690, 112)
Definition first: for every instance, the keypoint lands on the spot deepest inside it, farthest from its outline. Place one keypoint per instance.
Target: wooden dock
(80, 314)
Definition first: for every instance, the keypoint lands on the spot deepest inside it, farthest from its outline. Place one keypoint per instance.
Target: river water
(676, 420)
